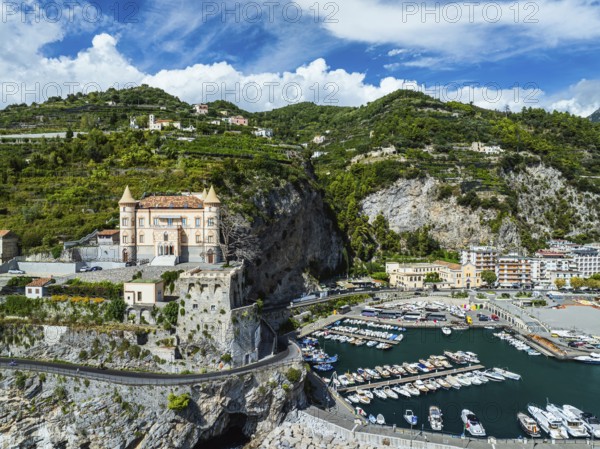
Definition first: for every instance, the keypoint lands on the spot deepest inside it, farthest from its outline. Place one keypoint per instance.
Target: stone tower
(127, 207)
(212, 206)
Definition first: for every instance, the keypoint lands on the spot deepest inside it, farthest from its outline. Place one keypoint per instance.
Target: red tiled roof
(42, 282)
(108, 232)
(4, 232)
(171, 202)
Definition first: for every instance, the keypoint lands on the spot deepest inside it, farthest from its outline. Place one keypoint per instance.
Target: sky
(268, 54)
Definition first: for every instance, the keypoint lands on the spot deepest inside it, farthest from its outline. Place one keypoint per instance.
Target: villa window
(166, 236)
(125, 239)
(198, 239)
(170, 221)
(184, 221)
(197, 222)
(210, 239)
(211, 222)
(156, 222)
(141, 222)
(125, 222)
(141, 239)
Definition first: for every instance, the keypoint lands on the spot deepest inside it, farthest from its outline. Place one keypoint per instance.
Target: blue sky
(543, 51)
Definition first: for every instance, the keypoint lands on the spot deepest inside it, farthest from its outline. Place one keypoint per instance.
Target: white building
(263, 132)
(486, 149)
(483, 257)
(37, 288)
(143, 292)
(159, 125)
(201, 109)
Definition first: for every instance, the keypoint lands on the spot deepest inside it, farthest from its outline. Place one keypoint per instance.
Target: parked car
(16, 272)
(484, 318)
(13, 363)
(495, 317)
(130, 264)
(84, 269)
(96, 269)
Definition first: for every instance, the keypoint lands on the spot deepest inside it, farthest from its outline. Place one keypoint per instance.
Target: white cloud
(35, 78)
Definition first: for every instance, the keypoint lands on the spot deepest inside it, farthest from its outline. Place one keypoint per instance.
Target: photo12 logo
(69, 12)
(274, 93)
(470, 12)
(13, 92)
(255, 12)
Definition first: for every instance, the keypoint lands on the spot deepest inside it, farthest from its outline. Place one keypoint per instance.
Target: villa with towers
(170, 229)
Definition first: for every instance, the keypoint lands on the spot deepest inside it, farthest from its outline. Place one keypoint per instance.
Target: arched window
(166, 236)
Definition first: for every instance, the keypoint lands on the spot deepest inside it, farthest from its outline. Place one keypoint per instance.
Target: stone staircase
(164, 261)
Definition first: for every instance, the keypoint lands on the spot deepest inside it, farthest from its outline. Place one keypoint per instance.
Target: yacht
(548, 422)
(410, 417)
(593, 358)
(507, 374)
(492, 375)
(529, 425)
(435, 418)
(472, 424)
(591, 423)
(380, 420)
(572, 423)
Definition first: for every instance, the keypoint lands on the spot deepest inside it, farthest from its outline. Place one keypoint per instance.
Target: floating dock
(404, 380)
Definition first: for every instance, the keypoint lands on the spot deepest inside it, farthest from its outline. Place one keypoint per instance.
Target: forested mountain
(399, 174)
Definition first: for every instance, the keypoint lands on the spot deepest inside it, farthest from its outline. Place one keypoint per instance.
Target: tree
(489, 277)
(237, 240)
(432, 277)
(560, 283)
(170, 312)
(178, 403)
(577, 282)
(116, 310)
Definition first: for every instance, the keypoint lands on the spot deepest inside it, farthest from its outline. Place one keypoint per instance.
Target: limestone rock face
(411, 204)
(51, 412)
(297, 234)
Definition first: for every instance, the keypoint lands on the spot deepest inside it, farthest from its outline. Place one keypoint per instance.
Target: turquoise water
(495, 403)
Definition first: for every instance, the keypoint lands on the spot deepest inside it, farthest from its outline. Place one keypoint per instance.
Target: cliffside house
(201, 109)
(37, 288)
(143, 292)
(174, 228)
(239, 120)
(9, 245)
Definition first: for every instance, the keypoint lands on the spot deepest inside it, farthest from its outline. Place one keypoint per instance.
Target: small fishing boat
(380, 420)
(431, 385)
(472, 423)
(379, 393)
(372, 419)
(410, 417)
(354, 398)
(463, 380)
(412, 390)
(360, 412)
(420, 385)
(435, 418)
(323, 367)
(402, 391)
(446, 330)
(529, 425)
(444, 383)
(453, 382)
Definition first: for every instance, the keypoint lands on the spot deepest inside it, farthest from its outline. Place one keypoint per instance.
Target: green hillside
(67, 188)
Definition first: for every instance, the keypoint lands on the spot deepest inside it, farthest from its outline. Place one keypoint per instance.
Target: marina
(500, 406)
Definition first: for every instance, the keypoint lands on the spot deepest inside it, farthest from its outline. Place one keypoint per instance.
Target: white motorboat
(482, 377)
(446, 330)
(548, 422)
(366, 393)
(380, 420)
(412, 390)
(361, 412)
(472, 423)
(435, 418)
(390, 393)
(572, 423)
(354, 398)
(453, 382)
(492, 375)
(473, 378)
(420, 385)
(363, 399)
(463, 380)
(591, 422)
(379, 393)
(410, 417)
(431, 385)
(592, 359)
(507, 374)
(444, 383)
(402, 391)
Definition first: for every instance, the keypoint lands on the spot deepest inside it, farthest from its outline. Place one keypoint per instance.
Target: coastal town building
(143, 292)
(169, 229)
(411, 276)
(37, 288)
(159, 125)
(9, 245)
(483, 257)
(238, 120)
(201, 109)
(455, 275)
(513, 270)
(263, 132)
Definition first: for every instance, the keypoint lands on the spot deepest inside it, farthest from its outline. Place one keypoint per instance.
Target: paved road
(289, 356)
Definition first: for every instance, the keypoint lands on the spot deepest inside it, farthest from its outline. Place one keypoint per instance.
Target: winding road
(289, 356)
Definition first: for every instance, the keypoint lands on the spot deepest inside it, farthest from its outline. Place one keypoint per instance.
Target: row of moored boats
(518, 344)
(559, 423)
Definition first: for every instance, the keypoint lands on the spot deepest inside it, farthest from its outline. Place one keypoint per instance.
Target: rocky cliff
(48, 411)
(297, 235)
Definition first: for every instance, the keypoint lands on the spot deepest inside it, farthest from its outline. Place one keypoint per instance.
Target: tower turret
(127, 207)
